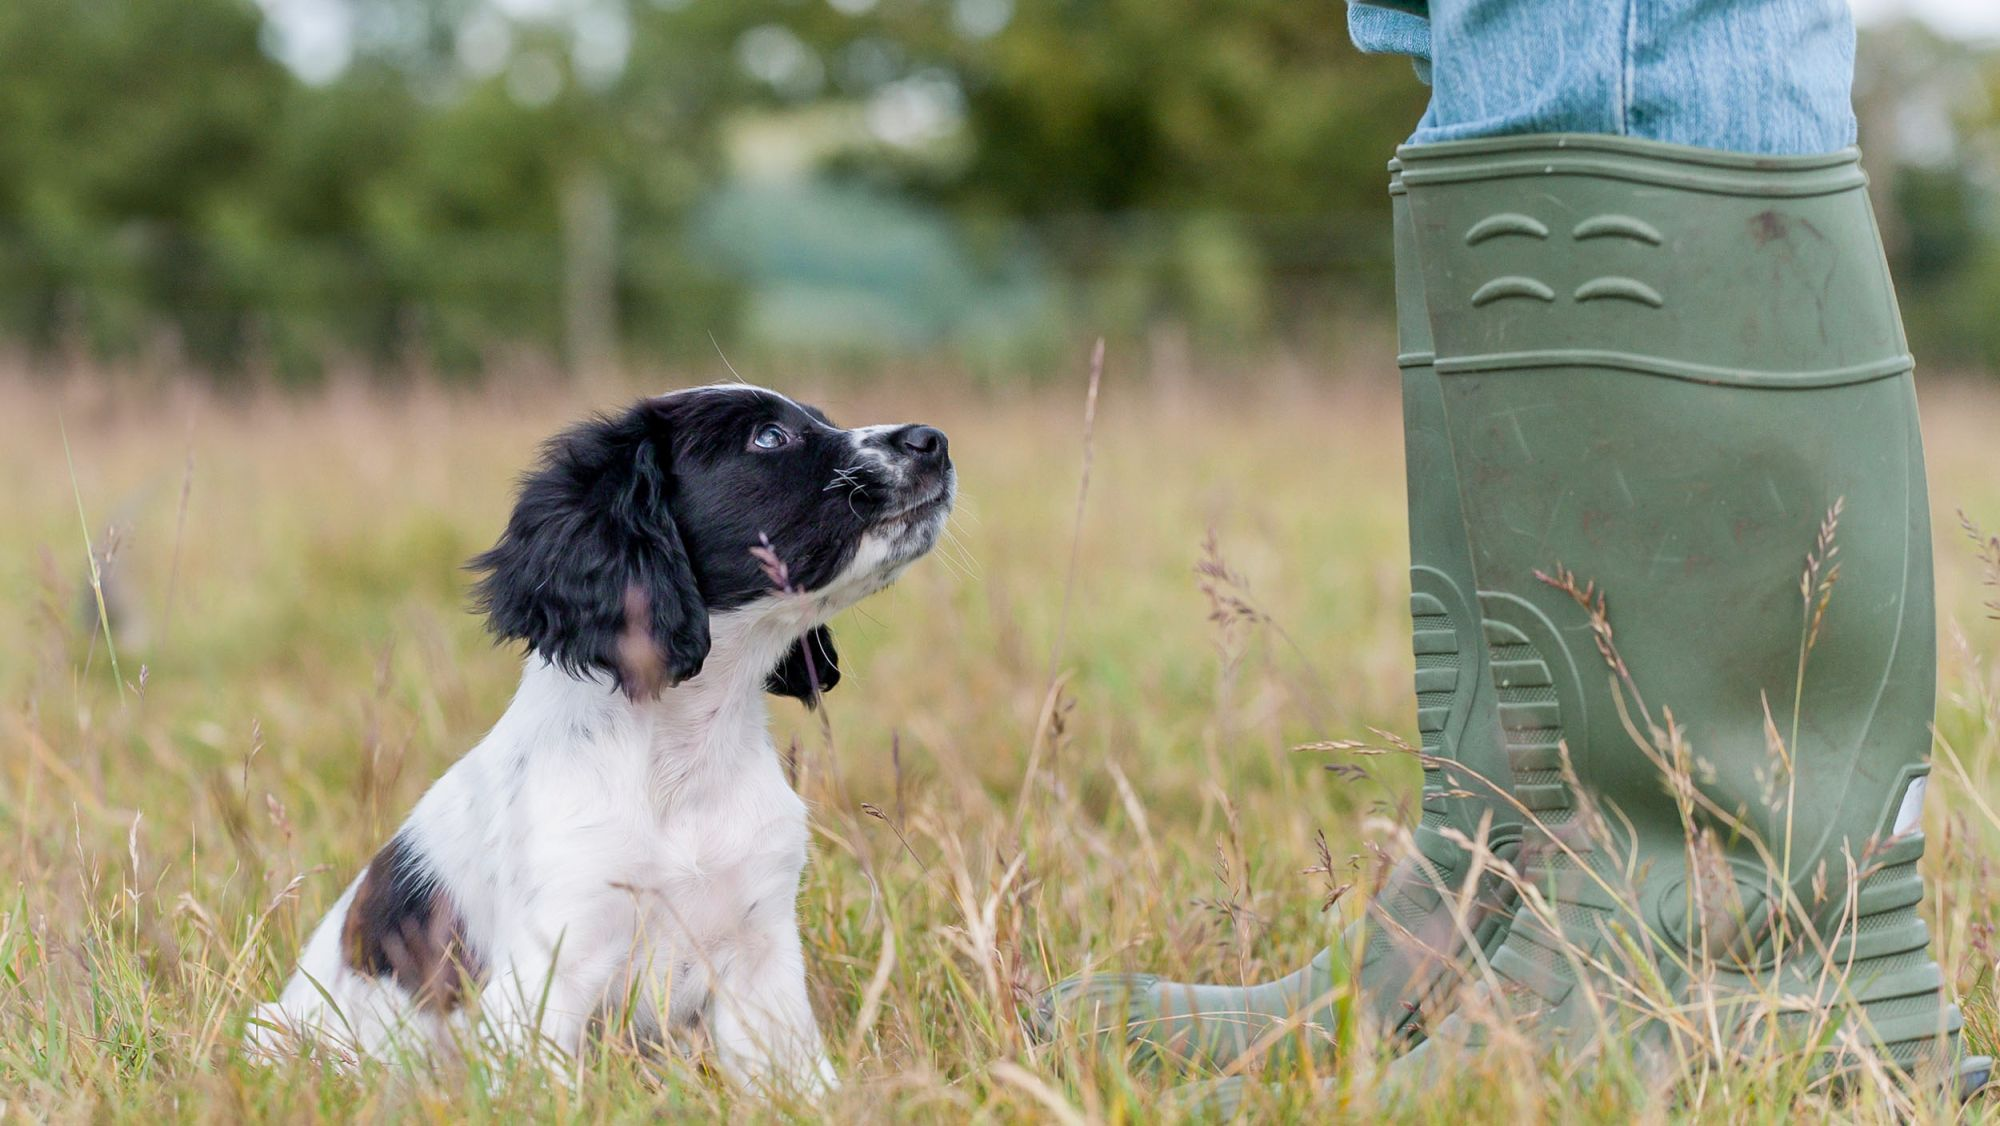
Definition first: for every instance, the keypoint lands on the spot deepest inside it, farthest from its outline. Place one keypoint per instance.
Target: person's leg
(1678, 396)
(1770, 77)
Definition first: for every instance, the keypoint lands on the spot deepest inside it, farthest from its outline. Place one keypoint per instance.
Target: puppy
(623, 845)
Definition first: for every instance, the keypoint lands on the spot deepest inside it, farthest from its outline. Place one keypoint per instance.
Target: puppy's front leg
(534, 1002)
(763, 1027)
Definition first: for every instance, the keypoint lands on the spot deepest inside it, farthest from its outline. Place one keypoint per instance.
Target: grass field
(1009, 794)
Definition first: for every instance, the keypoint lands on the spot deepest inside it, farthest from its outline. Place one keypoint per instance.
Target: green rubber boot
(1419, 929)
(1681, 411)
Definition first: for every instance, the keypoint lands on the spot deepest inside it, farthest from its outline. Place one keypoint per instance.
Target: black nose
(926, 444)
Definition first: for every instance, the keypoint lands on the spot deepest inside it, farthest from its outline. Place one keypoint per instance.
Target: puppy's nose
(925, 444)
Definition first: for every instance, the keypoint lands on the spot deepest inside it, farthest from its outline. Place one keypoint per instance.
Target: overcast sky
(1972, 19)
(314, 36)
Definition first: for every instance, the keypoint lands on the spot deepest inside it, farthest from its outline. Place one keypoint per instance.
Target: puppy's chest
(712, 863)
(710, 868)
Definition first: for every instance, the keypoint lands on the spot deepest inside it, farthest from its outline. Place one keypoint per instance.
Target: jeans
(1768, 77)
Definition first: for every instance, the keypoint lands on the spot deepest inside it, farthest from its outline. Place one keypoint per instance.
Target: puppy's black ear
(810, 669)
(591, 571)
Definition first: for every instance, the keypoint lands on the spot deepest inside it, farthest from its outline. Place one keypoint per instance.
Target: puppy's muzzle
(919, 462)
(925, 446)
(920, 452)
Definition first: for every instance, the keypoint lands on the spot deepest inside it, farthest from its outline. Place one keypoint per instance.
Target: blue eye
(771, 436)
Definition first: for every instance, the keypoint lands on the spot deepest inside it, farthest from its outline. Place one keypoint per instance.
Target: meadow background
(289, 293)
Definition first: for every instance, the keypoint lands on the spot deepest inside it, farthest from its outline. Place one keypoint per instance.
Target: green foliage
(168, 190)
(1949, 266)
(473, 181)
(126, 141)
(165, 186)
(1930, 120)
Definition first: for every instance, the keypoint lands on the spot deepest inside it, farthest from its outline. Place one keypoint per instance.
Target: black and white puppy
(623, 843)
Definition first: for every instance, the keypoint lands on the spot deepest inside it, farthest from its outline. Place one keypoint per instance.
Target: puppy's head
(636, 527)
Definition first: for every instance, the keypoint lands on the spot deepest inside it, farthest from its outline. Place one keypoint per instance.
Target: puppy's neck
(707, 722)
(745, 646)
(719, 722)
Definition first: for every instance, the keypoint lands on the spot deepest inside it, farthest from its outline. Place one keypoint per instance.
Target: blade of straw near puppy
(984, 823)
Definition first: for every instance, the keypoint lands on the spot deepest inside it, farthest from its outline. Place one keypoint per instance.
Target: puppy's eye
(771, 436)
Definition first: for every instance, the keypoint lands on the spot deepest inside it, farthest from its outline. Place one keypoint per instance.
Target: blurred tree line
(416, 186)
(1930, 131)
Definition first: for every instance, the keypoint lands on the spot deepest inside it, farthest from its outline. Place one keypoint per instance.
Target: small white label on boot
(1911, 813)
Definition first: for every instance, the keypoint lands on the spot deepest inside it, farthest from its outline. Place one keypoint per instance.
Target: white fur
(602, 851)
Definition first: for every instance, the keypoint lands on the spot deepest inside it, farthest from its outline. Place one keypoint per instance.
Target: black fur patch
(402, 925)
(807, 679)
(591, 529)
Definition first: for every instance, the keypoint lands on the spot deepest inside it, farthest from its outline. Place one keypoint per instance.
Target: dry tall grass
(297, 664)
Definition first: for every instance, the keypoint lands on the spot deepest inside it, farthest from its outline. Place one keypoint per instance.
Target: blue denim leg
(1753, 76)
(1391, 31)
